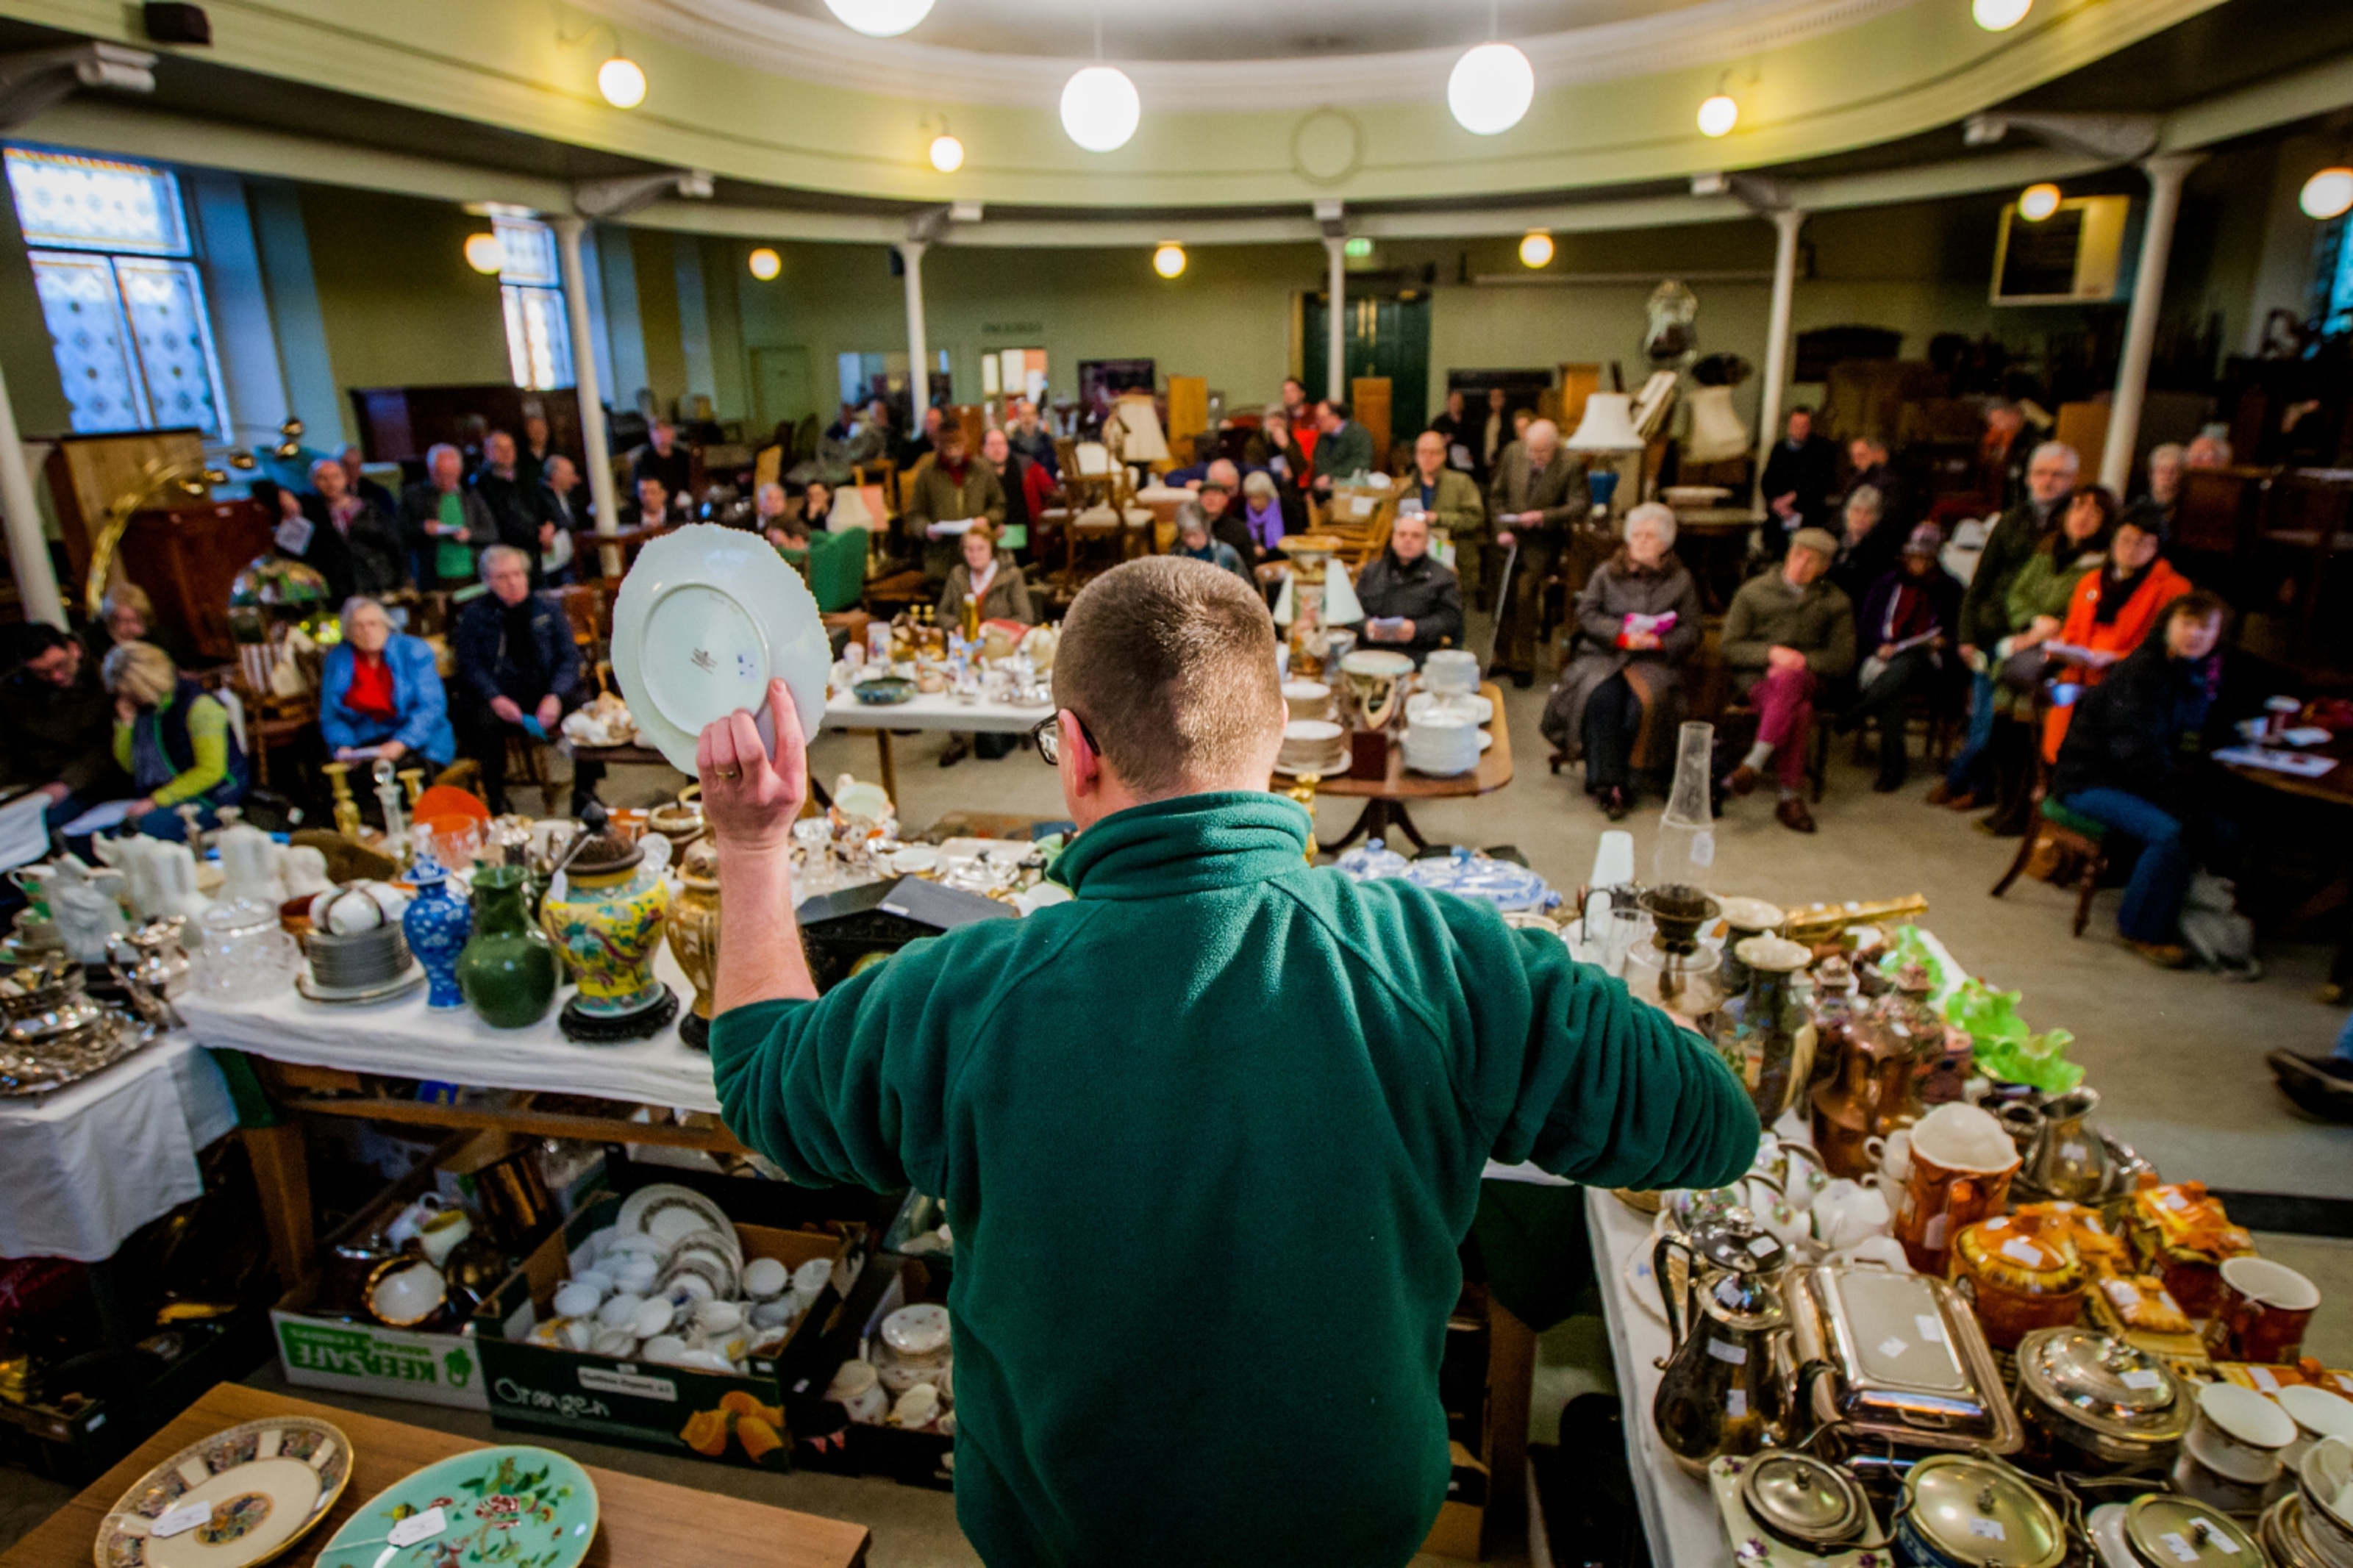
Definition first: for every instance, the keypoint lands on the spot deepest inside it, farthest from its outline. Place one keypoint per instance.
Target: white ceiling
(1241, 29)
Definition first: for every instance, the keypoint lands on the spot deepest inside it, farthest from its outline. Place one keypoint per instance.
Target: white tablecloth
(84, 1166)
(404, 1038)
(24, 830)
(935, 711)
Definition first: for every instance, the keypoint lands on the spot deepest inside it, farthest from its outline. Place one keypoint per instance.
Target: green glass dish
(508, 972)
(514, 1506)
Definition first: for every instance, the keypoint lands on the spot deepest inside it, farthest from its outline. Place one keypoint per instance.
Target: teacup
(2239, 1434)
(1892, 1155)
(857, 1389)
(1961, 1163)
(2263, 1313)
(2325, 1477)
(410, 1220)
(2318, 1416)
(1796, 1168)
(1850, 1212)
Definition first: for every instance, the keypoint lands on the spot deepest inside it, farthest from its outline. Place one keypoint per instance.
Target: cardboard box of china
(733, 1418)
(320, 1348)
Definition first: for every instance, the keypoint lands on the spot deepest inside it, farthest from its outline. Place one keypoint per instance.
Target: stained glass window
(124, 301)
(539, 341)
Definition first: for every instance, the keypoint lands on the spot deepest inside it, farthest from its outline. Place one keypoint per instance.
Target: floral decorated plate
(233, 1499)
(517, 1507)
(705, 619)
(671, 1213)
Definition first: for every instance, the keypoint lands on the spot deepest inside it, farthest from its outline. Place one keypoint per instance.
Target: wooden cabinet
(398, 423)
(187, 558)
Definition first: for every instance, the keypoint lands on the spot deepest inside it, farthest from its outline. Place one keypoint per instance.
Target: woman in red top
(2112, 611)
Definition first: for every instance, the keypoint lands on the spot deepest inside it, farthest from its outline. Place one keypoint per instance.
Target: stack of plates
(1314, 746)
(1443, 742)
(366, 966)
(1421, 704)
(1450, 672)
(1307, 699)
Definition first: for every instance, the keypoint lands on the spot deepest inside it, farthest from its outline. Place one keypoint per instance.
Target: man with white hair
(356, 548)
(2050, 475)
(518, 670)
(443, 522)
(1538, 496)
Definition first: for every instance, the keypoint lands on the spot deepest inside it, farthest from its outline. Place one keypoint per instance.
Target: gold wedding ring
(731, 773)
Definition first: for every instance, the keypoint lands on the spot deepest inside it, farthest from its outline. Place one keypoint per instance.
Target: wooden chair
(2078, 842)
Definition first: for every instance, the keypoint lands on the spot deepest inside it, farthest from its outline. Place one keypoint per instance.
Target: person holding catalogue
(1161, 1051)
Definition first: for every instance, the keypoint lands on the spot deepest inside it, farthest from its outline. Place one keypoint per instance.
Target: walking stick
(1502, 601)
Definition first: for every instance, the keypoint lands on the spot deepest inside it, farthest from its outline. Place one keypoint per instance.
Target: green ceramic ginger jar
(507, 971)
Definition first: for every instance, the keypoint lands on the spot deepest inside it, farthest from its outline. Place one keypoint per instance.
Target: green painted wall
(656, 257)
(401, 307)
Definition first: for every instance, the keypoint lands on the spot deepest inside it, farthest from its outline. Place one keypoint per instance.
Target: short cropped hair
(1655, 516)
(497, 553)
(1171, 663)
(2200, 605)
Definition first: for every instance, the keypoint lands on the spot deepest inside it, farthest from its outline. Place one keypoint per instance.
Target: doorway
(1386, 336)
(781, 387)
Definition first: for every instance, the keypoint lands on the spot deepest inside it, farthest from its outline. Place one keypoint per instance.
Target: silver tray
(1898, 1359)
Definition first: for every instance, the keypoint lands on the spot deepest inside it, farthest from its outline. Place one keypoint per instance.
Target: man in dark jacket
(443, 523)
(356, 481)
(60, 724)
(519, 672)
(1867, 455)
(358, 549)
(664, 458)
(2131, 759)
(1343, 448)
(1869, 548)
(1537, 501)
(518, 506)
(1035, 1072)
(1798, 480)
(1907, 623)
(1411, 603)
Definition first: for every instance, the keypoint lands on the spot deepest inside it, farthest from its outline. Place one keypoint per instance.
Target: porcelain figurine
(437, 924)
(694, 936)
(249, 862)
(304, 872)
(89, 907)
(607, 921)
(507, 971)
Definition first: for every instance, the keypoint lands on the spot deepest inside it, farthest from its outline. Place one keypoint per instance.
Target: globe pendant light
(1169, 260)
(622, 82)
(1491, 89)
(947, 153)
(1718, 115)
(484, 254)
(2038, 202)
(2328, 194)
(1999, 16)
(766, 264)
(1536, 249)
(1100, 108)
(880, 19)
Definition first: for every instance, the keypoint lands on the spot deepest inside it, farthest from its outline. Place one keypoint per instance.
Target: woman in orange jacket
(2113, 610)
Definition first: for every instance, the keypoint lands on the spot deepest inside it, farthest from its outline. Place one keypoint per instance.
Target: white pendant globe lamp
(1491, 89)
(2038, 202)
(1100, 109)
(1718, 113)
(946, 151)
(1999, 16)
(622, 81)
(1607, 425)
(1536, 248)
(1169, 260)
(880, 19)
(2328, 195)
(766, 264)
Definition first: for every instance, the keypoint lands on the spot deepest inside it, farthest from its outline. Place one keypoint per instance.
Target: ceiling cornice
(811, 49)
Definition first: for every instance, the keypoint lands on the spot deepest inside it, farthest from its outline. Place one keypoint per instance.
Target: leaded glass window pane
(539, 347)
(165, 303)
(64, 199)
(83, 309)
(527, 250)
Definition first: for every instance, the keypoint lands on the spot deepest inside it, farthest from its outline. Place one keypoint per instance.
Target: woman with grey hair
(1195, 540)
(1619, 703)
(1867, 547)
(380, 694)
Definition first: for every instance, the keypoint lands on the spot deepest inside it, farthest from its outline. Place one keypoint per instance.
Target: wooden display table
(641, 1524)
(1386, 798)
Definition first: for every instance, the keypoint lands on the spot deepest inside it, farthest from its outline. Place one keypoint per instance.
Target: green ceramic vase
(508, 972)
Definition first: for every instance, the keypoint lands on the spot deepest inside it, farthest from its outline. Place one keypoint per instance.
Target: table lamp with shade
(1607, 428)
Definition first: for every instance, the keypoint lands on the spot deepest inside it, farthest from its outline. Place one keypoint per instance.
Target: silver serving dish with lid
(1896, 1361)
(1960, 1511)
(1808, 1503)
(2163, 1531)
(2097, 1398)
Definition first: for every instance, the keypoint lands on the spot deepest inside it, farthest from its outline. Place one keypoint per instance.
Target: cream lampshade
(1141, 440)
(1607, 425)
(1341, 607)
(1716, 432)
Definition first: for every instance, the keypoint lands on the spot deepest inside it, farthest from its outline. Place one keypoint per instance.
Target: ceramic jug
(694, 936)
(437, 924)
(607, 921)
(1722, 1392)
(2068, 1160)
(507, 971)
(249, 862)
(172, 884)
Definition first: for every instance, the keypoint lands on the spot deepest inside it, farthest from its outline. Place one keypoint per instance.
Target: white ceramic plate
(267, 1483)
(705, 618)
(670, 1213)
(1377, 662)
(1422, 702)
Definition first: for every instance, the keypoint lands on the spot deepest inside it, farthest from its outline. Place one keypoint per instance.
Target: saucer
(705, 618)
(355, 995)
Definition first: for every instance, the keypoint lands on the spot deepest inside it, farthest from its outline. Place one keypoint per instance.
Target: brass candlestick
(413, 781)
(347, 810)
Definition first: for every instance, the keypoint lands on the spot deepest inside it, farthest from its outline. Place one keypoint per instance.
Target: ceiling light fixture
(766, 264)
(880, 19)
(485, 253)
(621, 82)
(1100, 109)
(1491, 89)
(2038, 202)
(1169, 260)
(947, 152)
(1535, 250)
(1718, 114)
(1999, 16)
(2328, 195)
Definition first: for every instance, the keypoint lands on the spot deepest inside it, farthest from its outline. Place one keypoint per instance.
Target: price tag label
(2180, 1548)
(1736, 1403)
(2264, 1379)
(2073, 1151)
(2172, 1200)
(416, 1527)
(2017, 1249)
(1737, 1355)
(182, 1519)
(1930, 1328)
(1890, 1347)
(1988, 1530)
(1764, 1245)
(2142, 1378)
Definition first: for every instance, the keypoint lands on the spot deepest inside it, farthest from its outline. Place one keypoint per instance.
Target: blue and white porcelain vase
(436, 925)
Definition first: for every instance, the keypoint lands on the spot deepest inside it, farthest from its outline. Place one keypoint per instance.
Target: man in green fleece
(1210, 1132)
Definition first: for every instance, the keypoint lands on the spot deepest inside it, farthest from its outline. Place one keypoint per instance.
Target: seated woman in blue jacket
(173, 739)
(381, 693)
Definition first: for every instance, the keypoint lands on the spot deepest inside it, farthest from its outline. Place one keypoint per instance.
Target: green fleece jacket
(1209, 1135)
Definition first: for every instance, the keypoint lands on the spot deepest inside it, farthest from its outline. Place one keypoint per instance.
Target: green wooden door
(1387, 335)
